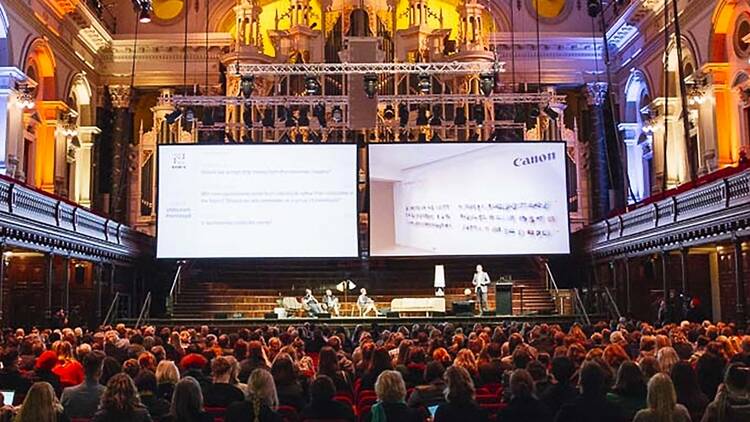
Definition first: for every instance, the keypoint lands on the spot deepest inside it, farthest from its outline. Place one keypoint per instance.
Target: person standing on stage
(366, 304)
(480, 282)
(331, 303)
(312, 305)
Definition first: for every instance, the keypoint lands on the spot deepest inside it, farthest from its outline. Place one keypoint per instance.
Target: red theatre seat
(288, 413)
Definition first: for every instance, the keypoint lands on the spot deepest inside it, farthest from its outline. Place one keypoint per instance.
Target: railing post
(98, 279)
(628, 302)
(66, 285)
(664, 282)
(739, 279)
(50, 279)
(683, 268)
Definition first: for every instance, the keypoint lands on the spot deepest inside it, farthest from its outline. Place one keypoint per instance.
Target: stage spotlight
(487, 83)
(290, 120)
(337, 114)
(173, 116)
(247, 85)
(144, 13)
(460, 119)
(478, 114)
(403, 114)
(312, 85)
(594, 8)
(246, 138)
(389, 113)
(285, 139)
(304, 119)
(437, 113)
(371, 85)
(319, 111)
(422, 116)
(268, 117)
(551, 113)
(435, 137)
(424, 84)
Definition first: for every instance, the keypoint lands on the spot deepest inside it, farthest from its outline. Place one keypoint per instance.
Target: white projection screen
(257, 201)
(460, 199)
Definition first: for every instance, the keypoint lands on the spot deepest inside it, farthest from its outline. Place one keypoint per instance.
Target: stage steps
(241, 289)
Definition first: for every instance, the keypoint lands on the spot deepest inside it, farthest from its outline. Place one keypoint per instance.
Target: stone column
(739, 279)
(50, 281)
(684, 269)
(628, 302)
(120, 95)
(11, 119)
(664, 283)
(596, 93)
(66, 285)
(84, 163)
(98, 279)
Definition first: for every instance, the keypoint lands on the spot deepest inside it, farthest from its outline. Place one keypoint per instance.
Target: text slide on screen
(264, 201)
(468, 199)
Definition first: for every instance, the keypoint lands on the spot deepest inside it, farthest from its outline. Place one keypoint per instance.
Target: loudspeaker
(463, 308)
(270, 315)
(391, 314)
(323, 315)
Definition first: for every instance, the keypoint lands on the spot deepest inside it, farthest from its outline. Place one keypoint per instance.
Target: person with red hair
(68, 369)
(43, 371)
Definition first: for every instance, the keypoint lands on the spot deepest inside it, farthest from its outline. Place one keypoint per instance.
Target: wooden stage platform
(350, 322)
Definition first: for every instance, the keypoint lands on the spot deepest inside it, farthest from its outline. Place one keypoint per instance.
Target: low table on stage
(426, 305)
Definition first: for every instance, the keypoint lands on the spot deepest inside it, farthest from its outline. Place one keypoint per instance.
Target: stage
(350, 322)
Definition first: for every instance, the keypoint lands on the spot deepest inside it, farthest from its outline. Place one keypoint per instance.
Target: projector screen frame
(358, 164)
(458, 256)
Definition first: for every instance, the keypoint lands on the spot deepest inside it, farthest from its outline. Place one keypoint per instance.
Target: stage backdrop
(468, 199)
(262, 200)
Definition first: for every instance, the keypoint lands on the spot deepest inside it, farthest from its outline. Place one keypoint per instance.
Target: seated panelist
(311, 304)
(331, 303)
(365, 304)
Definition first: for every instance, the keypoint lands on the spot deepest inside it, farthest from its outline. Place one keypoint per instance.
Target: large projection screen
(257, 201)
(460, 199)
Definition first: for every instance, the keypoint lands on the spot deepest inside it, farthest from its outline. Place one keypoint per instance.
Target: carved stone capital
(120, 95)
(596, 93)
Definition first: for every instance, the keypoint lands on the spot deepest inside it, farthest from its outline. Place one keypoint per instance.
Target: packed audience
(616, 371)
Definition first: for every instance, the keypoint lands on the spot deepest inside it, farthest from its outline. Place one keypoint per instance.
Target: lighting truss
(222, 126)
(342, 100)
(434, 68)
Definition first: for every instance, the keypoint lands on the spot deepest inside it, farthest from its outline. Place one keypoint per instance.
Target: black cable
(208, 6)
(512, 47)
(666, 95)
(538, 53)
(184, 53)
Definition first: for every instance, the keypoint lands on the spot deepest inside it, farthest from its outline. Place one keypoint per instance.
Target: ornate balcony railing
(38, 220)
(704, 214)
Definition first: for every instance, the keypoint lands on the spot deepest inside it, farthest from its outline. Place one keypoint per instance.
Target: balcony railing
(100, 10)
(58, 220)
(702, 202)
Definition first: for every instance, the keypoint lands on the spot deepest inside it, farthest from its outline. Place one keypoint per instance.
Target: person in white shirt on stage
(365, 304)
(311, 304)
(480, 282)
(331, 303)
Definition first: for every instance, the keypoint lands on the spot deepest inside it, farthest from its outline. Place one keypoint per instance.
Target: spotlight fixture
(435, 118)
(487, 83)
(551, 113)
(403, 114)
(173, 116)
(312, 85)
(371, 85)
(304, 119)
(424, 84)
(594, 8)
(460, 119)
(268, 120)
(247, 85)
(144, 8)
(337, 114)
(319, 111)
(389, 113)
(478, 114)
(422, 116)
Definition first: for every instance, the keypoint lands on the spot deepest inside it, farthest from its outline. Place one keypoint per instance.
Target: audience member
(662, 403)
(523, 405)
(732, 402)
(431, 393)
(41, 405)
(322, 405)
(592, 404)
(629, 391)
(261, 402)
(187, 403)
(82, 400)
(167, 376)
(688, 391)
(120, 402)
(145, 382)
(391, 392)
(221, 393)
(460, 398)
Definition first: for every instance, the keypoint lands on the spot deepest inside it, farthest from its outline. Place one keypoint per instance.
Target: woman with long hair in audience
(629, 391)
(380, 361)
(460, 398)
(662, 403)
(328, 365)
(68, 369)
(187, 403)
(41, 405)
(688, 391)
(261, 402)
(120, 402)
(110, 368)
(667, 358)
(255, 358)
(391, 406)
(465, 359)
(167, 376)
(732, 401)
(289, 388)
